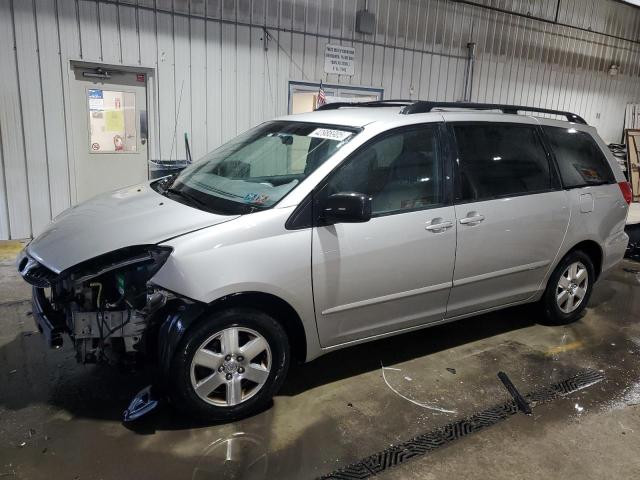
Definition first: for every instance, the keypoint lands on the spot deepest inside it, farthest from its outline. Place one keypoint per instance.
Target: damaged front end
(106, 305)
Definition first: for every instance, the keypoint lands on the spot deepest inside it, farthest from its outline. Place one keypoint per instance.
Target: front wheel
(229, 365)
(569, 288)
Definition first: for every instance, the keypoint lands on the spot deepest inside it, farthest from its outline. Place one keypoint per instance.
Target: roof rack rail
(426, 106)
(375, 103)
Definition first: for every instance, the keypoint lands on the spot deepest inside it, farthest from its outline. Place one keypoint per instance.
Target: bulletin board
(112, 121)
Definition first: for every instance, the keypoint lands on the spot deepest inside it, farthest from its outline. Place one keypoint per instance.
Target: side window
(580, 160)
(401, 171)
(500, 160)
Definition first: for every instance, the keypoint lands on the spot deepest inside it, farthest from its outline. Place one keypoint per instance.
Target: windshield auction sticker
(330, 134)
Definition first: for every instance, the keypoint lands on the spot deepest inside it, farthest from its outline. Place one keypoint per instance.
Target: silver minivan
(318, 231)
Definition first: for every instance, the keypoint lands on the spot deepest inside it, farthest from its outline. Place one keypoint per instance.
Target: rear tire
(569, 289)
(229, 365)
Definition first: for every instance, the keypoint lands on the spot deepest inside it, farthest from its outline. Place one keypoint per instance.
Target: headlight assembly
(145, 260)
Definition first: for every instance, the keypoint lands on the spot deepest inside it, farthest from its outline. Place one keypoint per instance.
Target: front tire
(569, 289)
(229, 365)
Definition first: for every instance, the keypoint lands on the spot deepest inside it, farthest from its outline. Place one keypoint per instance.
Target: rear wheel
(229, 365)
(569, 288)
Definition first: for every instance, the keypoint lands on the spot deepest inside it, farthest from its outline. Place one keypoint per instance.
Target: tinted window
(499, 160)
(580, 160)
(401, 171)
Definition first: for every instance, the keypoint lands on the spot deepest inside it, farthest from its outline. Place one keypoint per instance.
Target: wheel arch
(593, 250)
(273, 306)
(184, 315)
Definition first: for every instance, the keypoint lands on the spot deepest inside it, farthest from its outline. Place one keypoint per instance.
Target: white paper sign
(330, 134)
(96, 104)
(339, 60)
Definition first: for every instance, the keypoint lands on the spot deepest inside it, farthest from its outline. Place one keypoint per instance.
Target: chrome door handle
(438, 227)
(472, 219)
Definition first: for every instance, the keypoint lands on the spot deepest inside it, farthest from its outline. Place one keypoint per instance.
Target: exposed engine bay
(106, 304)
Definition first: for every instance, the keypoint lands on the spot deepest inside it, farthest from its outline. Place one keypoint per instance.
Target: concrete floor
(62, 420)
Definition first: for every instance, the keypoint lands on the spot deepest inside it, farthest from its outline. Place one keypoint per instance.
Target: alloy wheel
(572, 287)
(231, 366)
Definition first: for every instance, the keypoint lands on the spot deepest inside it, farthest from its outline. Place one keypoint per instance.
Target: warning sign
(339, 60)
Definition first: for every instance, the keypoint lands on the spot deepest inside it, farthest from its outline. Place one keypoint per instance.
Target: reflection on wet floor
(241, 455)
(58, 416)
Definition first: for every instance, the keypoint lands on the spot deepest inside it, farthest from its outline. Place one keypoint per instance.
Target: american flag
(321, 97)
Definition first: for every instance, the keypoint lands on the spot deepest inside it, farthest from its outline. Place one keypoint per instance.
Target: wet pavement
(61, 420)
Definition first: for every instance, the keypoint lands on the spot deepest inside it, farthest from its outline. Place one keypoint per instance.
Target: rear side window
(580, 160)
(501, 160)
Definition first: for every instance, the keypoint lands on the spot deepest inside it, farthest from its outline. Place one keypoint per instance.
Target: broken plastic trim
(440, 437)
(34, 272)
(141, 404)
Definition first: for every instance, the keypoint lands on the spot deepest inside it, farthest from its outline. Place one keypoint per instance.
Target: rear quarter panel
(598, 213)
(604, 224)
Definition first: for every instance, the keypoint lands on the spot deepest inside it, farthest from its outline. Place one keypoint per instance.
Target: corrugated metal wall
(213, 52)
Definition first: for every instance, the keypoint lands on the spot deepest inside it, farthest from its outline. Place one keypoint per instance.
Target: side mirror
(346, 207)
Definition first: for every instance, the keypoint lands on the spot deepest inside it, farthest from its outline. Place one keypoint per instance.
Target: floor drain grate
(427, 442)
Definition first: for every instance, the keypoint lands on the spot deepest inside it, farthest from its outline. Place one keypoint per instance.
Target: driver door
(395, 271)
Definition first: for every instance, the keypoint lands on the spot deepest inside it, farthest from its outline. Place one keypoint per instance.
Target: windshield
(256, 169)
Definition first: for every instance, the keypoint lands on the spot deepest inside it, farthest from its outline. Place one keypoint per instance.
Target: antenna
(187, 149)
(175, 126)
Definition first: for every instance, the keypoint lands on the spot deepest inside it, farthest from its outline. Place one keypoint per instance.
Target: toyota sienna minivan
(318, 231)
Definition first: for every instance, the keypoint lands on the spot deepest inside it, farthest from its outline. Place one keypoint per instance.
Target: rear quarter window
(580, 160)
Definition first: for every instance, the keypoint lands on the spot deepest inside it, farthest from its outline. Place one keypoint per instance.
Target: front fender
(180, 315)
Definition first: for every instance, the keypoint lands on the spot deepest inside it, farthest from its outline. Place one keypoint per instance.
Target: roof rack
(425, 106)
(375, 103)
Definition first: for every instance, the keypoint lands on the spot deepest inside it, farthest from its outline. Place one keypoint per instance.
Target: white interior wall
(213, 74)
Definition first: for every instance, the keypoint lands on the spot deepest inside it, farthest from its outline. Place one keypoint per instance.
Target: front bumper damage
(107, 306)
(49, 322)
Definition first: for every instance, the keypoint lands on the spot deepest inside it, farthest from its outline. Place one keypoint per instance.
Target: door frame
(152, 112)
(314, 86)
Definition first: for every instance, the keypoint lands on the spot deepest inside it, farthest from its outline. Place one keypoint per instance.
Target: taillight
(625, 188)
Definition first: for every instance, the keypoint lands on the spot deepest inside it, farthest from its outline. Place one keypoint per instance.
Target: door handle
(471, 219)
(438, 226)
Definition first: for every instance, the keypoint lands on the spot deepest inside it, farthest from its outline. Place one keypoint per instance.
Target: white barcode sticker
(330, 134)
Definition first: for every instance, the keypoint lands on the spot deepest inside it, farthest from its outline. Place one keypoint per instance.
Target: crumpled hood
(134, 215)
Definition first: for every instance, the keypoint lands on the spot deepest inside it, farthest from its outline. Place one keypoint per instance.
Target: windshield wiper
(167, 182)
(189, 198)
